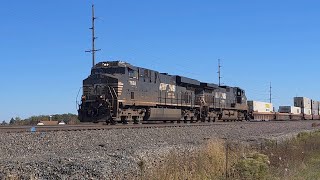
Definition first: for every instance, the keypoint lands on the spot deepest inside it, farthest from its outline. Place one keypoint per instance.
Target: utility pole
(227, 159)
(93, 50)
(219, 71)
(270, 98)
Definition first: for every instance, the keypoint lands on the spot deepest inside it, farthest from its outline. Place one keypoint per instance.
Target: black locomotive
(116, 91)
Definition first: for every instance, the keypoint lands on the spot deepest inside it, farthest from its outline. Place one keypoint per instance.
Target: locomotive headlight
(105, 64)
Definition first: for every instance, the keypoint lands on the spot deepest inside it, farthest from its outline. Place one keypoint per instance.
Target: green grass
(255, 166)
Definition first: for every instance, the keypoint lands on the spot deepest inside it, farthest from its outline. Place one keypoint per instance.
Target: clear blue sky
(43, 61)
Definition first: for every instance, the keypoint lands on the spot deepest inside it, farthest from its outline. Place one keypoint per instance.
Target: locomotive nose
(95, 111)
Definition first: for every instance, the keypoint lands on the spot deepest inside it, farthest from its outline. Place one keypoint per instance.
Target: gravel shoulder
(116, 153)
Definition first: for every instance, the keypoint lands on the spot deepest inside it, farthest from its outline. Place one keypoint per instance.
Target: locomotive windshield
(109, 70)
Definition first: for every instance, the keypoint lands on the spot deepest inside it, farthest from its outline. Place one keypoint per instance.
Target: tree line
(34, 120)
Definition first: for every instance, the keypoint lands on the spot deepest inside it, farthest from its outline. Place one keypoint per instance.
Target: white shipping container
(315, 112)
(257, 106)
(315, 105)
(306, 111)
(302, 102)
(289, 109)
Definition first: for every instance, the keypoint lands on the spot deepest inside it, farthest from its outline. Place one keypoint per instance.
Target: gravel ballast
(117, 153)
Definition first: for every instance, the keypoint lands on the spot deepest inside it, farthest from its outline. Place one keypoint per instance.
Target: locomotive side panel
(139, 88)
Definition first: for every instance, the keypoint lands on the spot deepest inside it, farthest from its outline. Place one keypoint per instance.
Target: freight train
(118, 92)
(303, 109)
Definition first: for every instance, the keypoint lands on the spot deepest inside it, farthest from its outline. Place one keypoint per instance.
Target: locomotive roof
(106, 64)
(112, 64)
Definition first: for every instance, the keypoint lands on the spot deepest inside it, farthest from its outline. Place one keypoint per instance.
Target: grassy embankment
(297, 158)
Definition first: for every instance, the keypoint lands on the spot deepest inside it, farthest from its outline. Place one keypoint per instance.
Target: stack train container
(293, 113)
(290, 109)
(306, 106)
(257, 106)
(315, 109)
(302, 102)
(261, 111)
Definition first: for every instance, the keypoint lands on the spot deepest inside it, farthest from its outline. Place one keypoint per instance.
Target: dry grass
(207, 163)
(216, 160)
(290, 158)
(298, 158)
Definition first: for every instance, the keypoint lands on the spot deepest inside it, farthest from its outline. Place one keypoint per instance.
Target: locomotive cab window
(239, 92)
(132, 73)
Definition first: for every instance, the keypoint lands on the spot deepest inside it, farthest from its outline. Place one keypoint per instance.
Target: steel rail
(88, 126)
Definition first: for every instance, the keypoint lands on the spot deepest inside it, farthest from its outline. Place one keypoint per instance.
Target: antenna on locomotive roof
(219, 71)
(93, 50)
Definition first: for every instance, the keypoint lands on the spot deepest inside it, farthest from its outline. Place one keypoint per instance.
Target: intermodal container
(289, 109)
(315, 105)
(302, 102)
(315, 112)
(257, 106)
(306, 111)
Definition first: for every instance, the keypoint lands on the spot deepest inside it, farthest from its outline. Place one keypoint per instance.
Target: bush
(255, 166)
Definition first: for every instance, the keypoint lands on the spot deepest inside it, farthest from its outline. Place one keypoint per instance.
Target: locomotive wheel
(113, 122)
(124, 120)
(110, 121)
(135, 120)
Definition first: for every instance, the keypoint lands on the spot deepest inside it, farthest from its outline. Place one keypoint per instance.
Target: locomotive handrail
(77, 103)
(115, 93)
(110, 92)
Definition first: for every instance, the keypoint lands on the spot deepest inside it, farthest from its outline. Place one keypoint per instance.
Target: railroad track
(87, 126)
